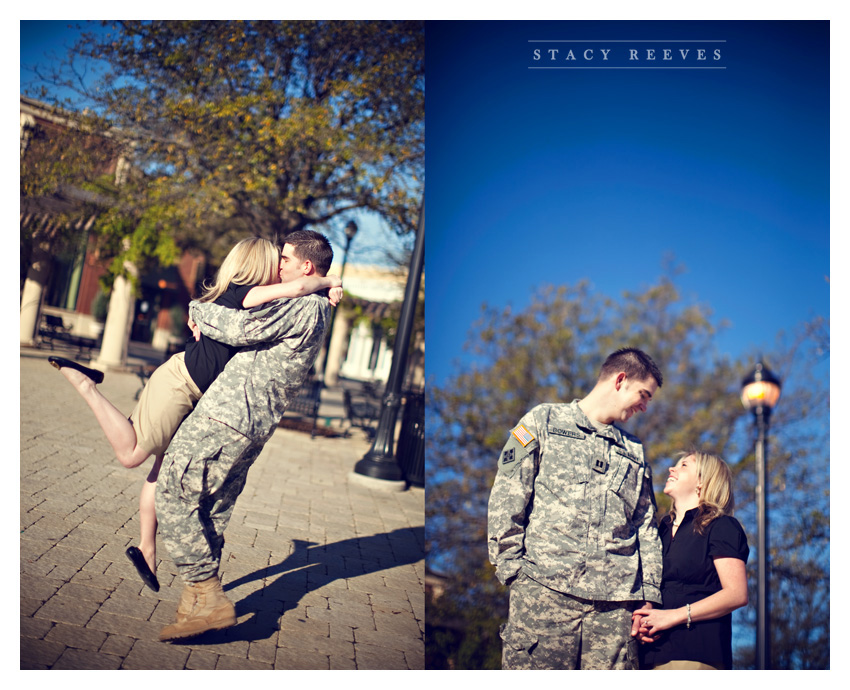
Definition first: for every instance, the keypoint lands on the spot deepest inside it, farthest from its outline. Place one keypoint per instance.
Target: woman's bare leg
(147, 516)
(118, 429)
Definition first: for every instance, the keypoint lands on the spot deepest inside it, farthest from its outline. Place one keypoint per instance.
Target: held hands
(648, 623)
(335, 291)
(196, 332)
(638, 628)
(335, 295)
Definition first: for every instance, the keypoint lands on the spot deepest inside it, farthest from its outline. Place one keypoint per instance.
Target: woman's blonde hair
(254, 261)
(715, 497)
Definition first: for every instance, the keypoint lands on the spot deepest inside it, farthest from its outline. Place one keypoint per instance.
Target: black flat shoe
(93, 374)
(138, 560)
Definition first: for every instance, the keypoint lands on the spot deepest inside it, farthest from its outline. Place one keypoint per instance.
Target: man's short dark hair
(635, 363)
(312, 246)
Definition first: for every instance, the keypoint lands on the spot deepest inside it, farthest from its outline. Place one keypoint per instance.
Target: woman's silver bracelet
(689, 616)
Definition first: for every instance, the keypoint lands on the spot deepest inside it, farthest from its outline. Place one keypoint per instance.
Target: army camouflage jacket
(573, 508)
(256, 386)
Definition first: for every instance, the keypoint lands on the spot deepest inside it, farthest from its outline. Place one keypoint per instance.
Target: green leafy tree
(551, 351)
(254, 127)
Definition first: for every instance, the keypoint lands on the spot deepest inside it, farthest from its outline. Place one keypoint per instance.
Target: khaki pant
(684, 666)
(169, 395)
(551, 630)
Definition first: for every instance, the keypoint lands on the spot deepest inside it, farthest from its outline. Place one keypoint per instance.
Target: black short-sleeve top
(690, 575)
(205, 358)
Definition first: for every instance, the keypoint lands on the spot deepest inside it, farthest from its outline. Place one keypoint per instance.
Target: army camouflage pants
(202, 475)
(551, 630)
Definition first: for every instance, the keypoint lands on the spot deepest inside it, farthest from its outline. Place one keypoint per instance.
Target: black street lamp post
(380, 462)
(760, 393)
(350, 232)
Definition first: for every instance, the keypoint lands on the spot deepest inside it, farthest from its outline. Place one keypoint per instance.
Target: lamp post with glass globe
(760, 392)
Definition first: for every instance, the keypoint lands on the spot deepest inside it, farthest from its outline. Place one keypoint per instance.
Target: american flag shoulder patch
(523, 435)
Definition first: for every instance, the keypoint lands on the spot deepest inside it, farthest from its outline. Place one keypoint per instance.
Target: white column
(384, 363)
(337, 348)
(353, 366)
(161, 338)
(116, 332)
(36, 280)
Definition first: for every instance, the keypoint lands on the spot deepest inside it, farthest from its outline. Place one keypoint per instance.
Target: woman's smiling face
(683, 479)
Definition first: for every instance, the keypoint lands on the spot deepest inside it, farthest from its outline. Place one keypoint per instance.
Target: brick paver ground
(325, 573)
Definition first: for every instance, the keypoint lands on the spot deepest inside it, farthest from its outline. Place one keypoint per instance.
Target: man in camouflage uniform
(572, 526)
(205, 467)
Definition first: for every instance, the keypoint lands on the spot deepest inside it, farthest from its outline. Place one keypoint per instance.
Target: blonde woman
(705, 554)
(248, 277)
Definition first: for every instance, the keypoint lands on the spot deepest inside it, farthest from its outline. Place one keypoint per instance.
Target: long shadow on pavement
(309, 567)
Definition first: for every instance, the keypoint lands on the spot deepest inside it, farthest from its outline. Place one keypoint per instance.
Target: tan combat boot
(202, 607)
(186, 604)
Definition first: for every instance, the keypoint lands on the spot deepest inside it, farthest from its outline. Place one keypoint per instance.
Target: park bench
(53, 329)
(361, 409)
(307, 401)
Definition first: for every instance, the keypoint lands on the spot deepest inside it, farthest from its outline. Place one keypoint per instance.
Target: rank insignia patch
(522, 435)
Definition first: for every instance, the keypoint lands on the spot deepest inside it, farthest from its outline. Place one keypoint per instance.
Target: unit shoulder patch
(516, 450)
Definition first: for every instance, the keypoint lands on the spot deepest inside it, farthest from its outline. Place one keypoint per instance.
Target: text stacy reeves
(634, 54)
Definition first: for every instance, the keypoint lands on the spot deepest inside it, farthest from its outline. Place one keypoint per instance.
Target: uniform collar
(608, 431)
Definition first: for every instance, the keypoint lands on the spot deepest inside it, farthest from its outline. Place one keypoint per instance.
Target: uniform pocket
(172, 474)
(572, 460)
(518, 644)
(624, 482)
(526, 650)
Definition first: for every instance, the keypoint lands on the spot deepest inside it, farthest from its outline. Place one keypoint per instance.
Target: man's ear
(309, 268)
(618, 382)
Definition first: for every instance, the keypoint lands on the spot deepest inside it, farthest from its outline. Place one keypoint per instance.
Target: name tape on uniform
(627, 454)
(566, 432)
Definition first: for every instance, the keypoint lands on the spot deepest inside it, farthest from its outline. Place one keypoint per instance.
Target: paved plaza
(325, 573)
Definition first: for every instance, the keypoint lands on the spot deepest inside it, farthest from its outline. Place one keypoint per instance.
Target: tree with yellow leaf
(256, 127)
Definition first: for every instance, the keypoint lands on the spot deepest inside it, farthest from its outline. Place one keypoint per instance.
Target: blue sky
(554, 175)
